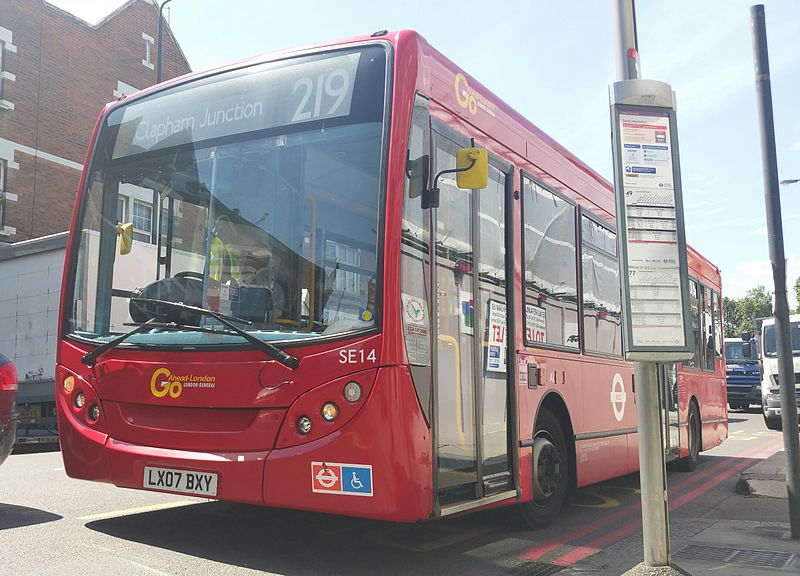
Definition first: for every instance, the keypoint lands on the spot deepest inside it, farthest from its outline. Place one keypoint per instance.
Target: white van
(770, 392)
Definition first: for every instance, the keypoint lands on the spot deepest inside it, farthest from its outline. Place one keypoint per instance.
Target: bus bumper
(387, 445)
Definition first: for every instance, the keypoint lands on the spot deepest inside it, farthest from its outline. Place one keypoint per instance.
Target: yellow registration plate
(30, 412)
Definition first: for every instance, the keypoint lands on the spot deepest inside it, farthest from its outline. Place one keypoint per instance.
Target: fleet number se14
(356, 356)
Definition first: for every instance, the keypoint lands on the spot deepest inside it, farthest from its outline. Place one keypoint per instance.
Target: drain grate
(760, 558)
(534, 569)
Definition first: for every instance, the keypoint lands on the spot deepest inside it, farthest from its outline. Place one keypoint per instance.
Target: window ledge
(6, 105)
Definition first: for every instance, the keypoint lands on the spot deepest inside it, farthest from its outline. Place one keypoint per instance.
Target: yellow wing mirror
(125, 233)
(473, 168)
(472, 172)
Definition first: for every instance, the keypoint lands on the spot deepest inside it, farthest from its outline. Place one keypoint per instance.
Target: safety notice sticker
(336, 478)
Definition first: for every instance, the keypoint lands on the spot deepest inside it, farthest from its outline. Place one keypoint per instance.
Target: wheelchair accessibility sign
(335, 478)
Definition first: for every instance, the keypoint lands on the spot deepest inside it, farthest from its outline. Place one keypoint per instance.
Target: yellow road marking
(138, 510)
(605, 501)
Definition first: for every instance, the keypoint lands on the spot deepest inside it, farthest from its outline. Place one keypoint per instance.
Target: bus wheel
(550, 473)
(694, 431)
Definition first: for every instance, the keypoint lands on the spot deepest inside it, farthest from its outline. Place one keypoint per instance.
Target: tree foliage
(740, 312)
(797, 294)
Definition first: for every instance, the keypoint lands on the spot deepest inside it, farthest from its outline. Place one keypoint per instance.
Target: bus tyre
(773, 423)
(693, 429)
(550, 473)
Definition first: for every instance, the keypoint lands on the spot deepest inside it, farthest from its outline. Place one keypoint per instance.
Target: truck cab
(770, 390)
(742, 372)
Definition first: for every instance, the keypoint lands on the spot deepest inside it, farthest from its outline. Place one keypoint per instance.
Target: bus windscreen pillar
(650, 226)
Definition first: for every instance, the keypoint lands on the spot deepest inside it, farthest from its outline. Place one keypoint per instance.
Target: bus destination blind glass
(651, 231)
(277, 96)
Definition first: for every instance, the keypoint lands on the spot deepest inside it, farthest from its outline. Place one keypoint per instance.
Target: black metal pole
(159, 39)
(783, 338)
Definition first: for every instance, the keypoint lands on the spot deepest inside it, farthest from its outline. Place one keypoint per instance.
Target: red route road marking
(543, 548)
(591, 548)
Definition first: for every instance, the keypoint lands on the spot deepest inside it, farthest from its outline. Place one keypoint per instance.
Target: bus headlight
(94, 413)
(304, 424)
(80, 400)
(352, 391)
(330, 411)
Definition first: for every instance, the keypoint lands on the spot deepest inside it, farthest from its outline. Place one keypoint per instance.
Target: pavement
(741, 547)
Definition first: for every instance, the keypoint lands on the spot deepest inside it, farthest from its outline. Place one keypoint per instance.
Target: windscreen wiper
(228, 321)
(91, 358)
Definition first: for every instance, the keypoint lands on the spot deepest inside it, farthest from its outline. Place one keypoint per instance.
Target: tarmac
(741, 547)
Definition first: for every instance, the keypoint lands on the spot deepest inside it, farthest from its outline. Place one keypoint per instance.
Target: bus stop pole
(652, 475)
(655, 520)
(783, 337)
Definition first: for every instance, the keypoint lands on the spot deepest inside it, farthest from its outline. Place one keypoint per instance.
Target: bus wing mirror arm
(430, 198)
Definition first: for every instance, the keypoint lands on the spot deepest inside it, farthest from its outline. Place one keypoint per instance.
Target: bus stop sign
(650, 227)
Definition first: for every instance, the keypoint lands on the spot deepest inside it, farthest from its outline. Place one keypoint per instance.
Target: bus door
(668, 388)
(472, 420)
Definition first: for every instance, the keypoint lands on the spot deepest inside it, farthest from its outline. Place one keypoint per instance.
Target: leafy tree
(797, 294)
(739, 312)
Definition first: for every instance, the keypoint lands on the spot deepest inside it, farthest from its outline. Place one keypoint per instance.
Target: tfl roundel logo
(345, 479)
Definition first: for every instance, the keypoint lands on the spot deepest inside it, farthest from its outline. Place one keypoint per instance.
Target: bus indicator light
(330, 411)
(352, 392)
(304, 425)
(94, 413)
(69, 384)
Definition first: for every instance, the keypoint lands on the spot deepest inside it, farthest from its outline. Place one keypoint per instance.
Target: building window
(122, 209)
(2, 192)
(2, 66)
(148, 44)
(124, 89)
(6, 47)
(142, 221)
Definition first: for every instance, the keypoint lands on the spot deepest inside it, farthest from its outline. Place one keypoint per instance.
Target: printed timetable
(650, 219)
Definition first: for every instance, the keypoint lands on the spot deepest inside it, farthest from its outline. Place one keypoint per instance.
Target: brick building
(56, 73)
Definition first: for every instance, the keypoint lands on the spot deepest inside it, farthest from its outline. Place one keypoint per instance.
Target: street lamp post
(159, 40)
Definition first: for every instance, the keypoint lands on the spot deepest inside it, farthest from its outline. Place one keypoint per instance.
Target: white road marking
(138, 510)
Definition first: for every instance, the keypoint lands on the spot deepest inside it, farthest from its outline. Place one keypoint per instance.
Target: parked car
(8, 398)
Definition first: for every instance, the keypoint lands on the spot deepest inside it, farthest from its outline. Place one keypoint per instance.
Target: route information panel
(653, 242)
(651, 233)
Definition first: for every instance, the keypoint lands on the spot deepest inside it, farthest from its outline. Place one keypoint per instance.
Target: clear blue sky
(553, 61)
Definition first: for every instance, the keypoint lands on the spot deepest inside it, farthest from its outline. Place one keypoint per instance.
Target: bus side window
(550, 268)
(695, 302)
(602, 301)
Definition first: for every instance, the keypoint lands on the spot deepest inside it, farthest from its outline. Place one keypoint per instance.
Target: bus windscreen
(253, 193)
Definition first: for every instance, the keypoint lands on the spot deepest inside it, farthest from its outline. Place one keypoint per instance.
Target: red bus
(266, 301)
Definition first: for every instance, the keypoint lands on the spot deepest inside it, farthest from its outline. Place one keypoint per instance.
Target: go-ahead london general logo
(164, 382)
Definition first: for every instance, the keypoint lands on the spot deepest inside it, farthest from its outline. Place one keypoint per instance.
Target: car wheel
(773, 422)
(551, 469)
(737, 406)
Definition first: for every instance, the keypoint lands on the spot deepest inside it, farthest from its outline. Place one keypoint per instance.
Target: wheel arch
(554, 403)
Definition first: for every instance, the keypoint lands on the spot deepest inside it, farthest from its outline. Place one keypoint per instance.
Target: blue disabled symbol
(357, 480)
